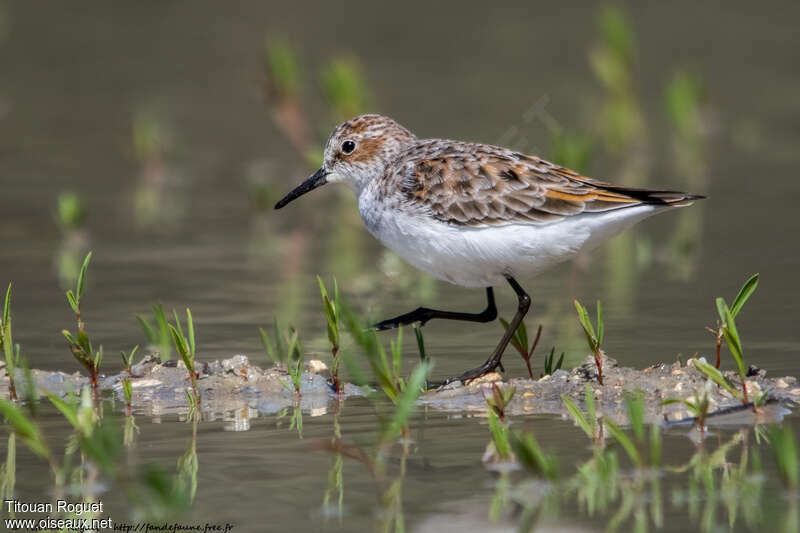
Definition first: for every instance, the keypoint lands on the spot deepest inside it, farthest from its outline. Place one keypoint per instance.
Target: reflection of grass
(784, 449)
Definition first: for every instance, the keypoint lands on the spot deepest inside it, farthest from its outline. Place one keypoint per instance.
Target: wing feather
(477, 185)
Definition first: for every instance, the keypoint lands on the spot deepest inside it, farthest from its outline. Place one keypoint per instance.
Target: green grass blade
(72, 302)
(7, 305)
(268, 347)
(82, 277)
(522, 336)
(721, 308)
(407, 400)
(600, 324)
(588, 329)
(734, 343)
(68, 409)
(745, 292)
(180, 344)
(148, 329)
(178, 325)
(190, 329)
(716, 376)
(27, 430)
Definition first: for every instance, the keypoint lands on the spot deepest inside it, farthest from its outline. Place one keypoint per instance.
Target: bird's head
(357, 151)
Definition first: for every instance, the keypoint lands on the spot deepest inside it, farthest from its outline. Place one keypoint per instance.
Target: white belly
(483, 256)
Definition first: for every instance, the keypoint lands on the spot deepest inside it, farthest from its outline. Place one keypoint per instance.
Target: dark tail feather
(655, 197)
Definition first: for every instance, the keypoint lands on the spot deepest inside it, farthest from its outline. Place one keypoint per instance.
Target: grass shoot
(187, 350)
(519, 340)
(500, 399)
(332, 312)
(127, 360)
(594, 339)
(697, 405)
(549, 367)
(10, 350)
(80, 345)
(744, 294)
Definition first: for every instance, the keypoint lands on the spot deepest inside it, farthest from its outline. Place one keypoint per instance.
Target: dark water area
(180, 224)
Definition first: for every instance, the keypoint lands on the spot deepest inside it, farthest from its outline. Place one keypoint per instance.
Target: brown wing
(478, 185)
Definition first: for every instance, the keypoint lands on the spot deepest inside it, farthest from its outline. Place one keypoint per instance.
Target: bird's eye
(348, 147)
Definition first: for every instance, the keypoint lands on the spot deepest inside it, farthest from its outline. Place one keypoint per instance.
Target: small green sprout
(744, 294)
(332, 312)
(294, 364)
(406, 403)
(387, 375)
(127, 359)
(519, 340)
(186, 348)
(10, 350)
(716, 376)
(80, 345)
(158, 336)
(594, 339)
(549, 368)
(499, 400)
(74, 298)
(697, 405)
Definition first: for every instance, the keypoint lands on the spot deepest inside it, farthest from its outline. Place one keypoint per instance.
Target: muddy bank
(237, 389)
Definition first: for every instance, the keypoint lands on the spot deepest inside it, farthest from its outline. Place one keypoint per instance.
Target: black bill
(317, 179)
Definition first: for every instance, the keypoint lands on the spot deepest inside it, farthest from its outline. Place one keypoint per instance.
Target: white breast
(482, 256)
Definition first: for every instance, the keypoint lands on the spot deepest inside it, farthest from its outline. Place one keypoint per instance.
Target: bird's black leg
(494, 360)
(423, 314)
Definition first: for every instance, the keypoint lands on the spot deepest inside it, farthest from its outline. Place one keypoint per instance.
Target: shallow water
(182, 228)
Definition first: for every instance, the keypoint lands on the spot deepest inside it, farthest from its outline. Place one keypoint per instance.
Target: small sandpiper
(474, 214)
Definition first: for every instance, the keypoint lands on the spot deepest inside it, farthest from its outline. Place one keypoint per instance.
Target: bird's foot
(469, 375)
(421, 315)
